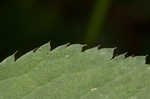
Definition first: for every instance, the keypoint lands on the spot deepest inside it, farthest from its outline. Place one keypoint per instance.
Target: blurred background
(27, 24)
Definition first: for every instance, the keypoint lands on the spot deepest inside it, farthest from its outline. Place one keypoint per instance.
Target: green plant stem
(96, 22)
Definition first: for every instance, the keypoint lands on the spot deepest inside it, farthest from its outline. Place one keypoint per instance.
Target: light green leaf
(67, 72)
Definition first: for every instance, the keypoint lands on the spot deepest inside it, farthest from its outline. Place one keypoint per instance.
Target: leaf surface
(67, 72)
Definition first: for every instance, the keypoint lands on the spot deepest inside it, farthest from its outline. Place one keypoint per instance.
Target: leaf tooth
(91, 50)
(75, 47)
(106, 53)
(45, 47)
(9, 60)
(60, 48)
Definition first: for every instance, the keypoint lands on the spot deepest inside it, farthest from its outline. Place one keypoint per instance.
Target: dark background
(27, 24)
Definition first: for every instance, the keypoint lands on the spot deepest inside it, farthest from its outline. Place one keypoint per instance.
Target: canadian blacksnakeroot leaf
(67, 72)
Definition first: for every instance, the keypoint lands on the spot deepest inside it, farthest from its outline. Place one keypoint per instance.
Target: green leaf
(67, 72)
